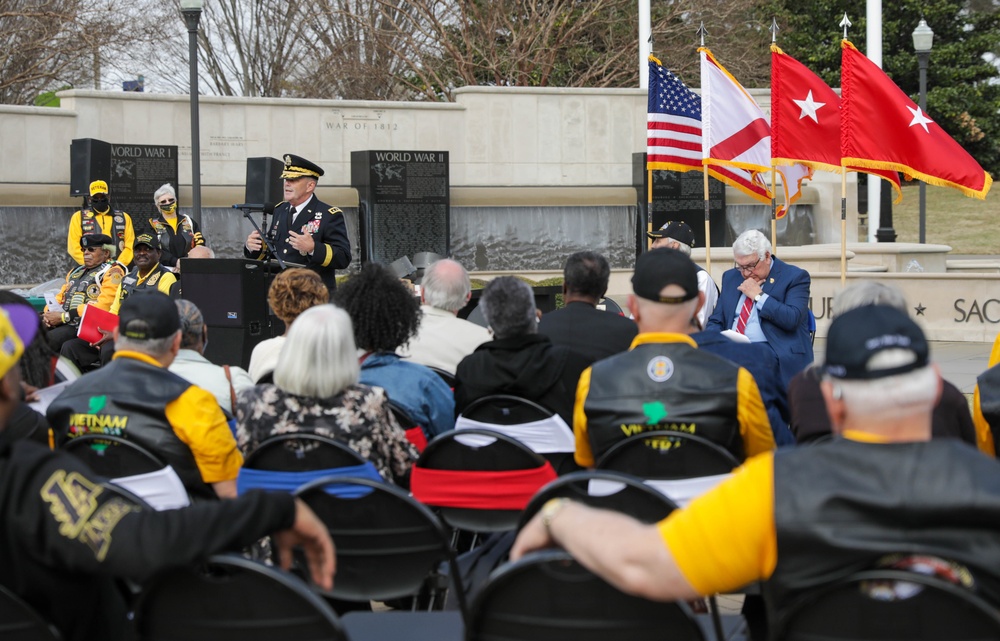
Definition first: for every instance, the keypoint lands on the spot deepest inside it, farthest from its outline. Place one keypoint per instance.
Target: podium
(232, 296)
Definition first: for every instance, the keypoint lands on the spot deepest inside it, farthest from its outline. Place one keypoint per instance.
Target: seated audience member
(147, 274)
(316, 391)
(761, 362)
(665, 382)
(518, 361)
(986, 403)
(178, 233)
(65, 538)
(385, 315)
(36, 365)
(679, 236)
(808, 417)
(190, 364)
(806, 517)
(579, 325)
(93, 283)
(443, 339)
(136, 397)
(292, 292)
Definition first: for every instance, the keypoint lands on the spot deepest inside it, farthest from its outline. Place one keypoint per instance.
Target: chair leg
(713, 604)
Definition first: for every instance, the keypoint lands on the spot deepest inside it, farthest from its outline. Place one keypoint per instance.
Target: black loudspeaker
(232, 296)
(89, 160)
(264, 183)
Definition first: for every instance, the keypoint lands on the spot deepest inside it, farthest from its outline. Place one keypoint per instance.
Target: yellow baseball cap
(98, 187)
(18, 326)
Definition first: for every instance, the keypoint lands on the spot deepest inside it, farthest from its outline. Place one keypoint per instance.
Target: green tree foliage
(963, 82)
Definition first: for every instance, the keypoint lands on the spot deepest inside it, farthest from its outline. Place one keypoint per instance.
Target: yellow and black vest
(663, 386)
(131, 281)
(842, 506)
(89, 225)
(127, 398)
(84, 287)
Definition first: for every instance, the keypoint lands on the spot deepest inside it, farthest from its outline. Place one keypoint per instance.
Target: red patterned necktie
(741, 322)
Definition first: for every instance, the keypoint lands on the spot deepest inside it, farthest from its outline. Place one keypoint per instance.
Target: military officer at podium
(305, 232)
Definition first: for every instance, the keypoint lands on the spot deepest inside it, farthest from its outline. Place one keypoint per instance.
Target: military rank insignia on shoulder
(335, 210)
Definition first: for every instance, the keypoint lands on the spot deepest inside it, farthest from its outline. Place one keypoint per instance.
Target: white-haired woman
(178, 233)
(316, 390)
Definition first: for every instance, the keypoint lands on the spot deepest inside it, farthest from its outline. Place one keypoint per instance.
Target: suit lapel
(772, 277)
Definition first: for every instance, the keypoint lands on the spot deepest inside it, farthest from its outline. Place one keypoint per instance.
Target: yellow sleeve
(984, 435)
(198, 420)
(109, 288)
(725, 539)
(117, 303)
(167, 281)
(73, 239)
(584, 455)
(994, 353)
(126, 254)
(755, 427)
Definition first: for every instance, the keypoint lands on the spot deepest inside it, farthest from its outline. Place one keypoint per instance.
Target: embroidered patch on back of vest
(660, 368)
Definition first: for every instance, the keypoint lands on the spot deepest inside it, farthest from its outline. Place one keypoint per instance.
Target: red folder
(95, 319)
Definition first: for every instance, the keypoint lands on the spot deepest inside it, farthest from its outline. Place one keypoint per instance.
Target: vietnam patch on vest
(660, 369)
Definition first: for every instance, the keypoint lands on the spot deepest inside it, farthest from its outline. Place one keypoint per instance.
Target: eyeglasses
(166, 203)
(747, 268)
(100, 199)
(91, 249)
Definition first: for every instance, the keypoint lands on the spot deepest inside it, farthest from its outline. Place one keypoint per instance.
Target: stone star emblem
(919, 118)
(919, 309)
(809, 107)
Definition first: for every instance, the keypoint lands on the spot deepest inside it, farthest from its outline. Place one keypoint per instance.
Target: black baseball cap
(658, 268)
(859, 334)
(679, 231)
(147, 239)
(147, 316)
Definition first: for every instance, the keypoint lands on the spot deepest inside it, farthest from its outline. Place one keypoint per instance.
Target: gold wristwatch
(549, 511)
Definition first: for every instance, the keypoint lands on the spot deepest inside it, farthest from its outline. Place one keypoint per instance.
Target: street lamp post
(191, 10)
(923, 40)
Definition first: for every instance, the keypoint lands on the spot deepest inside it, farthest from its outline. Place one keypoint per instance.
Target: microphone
(251, 206)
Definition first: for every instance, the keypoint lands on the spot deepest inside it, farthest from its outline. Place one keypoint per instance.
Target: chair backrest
(445, 375)
(548, 596)
(20, 622)
(537, 427)
(414, 432)
(113, 456)
(232, 598)
(680, 465)
(387, 542)
(667, 455)
(301, 452)
(890, 605)
(479, 480)
(607, 490)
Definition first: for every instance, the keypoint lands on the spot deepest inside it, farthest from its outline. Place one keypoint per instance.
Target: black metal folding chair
(20, 622)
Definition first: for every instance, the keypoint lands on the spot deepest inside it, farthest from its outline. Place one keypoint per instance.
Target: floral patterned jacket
(359, 417)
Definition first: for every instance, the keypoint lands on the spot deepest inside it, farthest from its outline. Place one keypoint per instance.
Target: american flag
(673, 131)
(673, 122)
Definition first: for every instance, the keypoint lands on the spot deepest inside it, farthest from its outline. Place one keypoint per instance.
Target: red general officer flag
(883, 129)
(805, 120)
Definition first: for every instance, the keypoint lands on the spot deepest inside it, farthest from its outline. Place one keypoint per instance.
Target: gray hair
(154, 347)
(319, 358)
(446, 285)
(681, 247)
(164, 189)
(509, 307)
(192, 323)
(868, 292)
(905, 394)
(752, 242)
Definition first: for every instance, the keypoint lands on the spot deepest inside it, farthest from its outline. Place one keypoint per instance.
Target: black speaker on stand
(232, 296)
(89, 160)
(264, 183)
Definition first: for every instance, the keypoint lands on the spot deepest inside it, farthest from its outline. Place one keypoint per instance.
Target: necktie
(741, 322)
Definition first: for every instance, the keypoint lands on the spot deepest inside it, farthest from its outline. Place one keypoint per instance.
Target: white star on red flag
(919, 118)
(809, 107)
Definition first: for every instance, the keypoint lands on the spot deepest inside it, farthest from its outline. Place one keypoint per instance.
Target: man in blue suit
(767, 300)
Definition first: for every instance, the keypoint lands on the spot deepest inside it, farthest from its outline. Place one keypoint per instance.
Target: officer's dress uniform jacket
(329, 232)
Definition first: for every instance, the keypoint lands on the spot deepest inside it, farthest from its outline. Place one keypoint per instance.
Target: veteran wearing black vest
(305, 232)
(805, 517)
(664, 382)
(135, 397)
(101, 219)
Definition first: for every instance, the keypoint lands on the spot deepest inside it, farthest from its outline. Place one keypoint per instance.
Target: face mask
(100, 206)
(168, 209)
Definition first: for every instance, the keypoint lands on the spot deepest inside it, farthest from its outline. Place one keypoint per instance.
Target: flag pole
(843, 229)
(649, 204)
(702, 32)
(774, 210)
